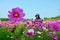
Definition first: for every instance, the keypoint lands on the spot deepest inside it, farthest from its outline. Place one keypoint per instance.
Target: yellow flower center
(16, 14)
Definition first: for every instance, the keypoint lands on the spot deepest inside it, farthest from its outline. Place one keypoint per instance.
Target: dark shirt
(39, 20)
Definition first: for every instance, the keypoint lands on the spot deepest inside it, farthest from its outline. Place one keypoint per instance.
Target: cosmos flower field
(19, 29)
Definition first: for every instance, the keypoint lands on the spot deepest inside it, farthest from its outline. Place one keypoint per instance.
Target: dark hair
(38, 16)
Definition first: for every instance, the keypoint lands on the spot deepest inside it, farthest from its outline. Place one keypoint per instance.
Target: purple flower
(39, 27)
(30, 33)
(55, 37)
(54, 26)
(4, 24)
(16, 14)
(38, 24)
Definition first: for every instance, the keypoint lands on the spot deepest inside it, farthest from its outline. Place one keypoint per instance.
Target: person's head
(37, 16)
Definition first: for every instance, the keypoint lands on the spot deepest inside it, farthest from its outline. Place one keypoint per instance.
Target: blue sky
(46, 8)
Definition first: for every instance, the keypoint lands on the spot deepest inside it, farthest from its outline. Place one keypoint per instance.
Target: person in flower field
(38, 18)
(38, 22)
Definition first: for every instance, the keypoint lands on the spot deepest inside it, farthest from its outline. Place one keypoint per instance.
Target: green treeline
(4, 19)
(45, 18)
(52, 18)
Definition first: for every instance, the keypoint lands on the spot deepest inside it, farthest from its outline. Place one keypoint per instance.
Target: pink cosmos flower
(58, 22)
(17, 23)
(4, 24)
(30, 33)
(55, 37)
(54, 26)
(16, 14)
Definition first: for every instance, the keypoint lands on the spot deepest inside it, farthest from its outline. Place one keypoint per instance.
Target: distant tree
(4, 19)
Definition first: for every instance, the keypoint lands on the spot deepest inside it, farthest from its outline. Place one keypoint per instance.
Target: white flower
(38, 32)
(31, 30)
(44, 28)
(54, 32)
